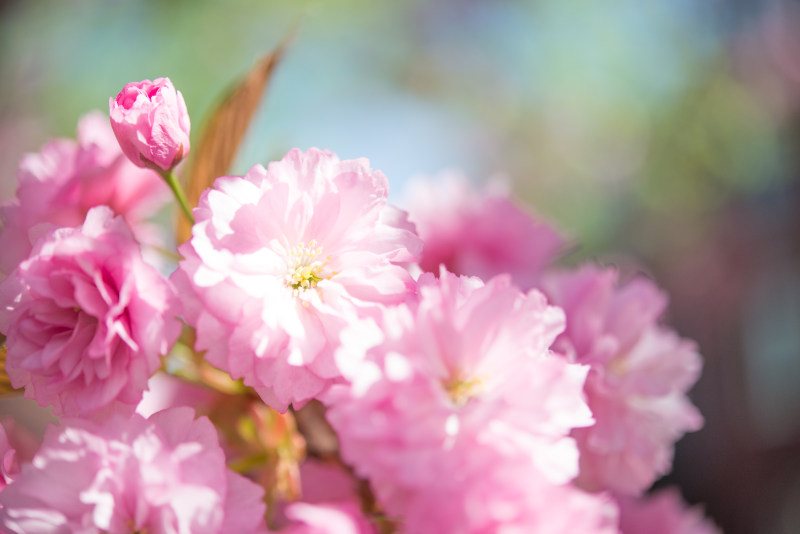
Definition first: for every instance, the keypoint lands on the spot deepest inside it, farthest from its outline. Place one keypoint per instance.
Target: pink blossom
(166, 473)
(663, 512)
(17, 446)
(18, 438)
(327, 518)
(460, 417)
(329, 503)
(168, 391)
(282, 259)
(59, 184)
(151, 123)
(479, 232)
(86, 318)
(640, 372)
(9, 465)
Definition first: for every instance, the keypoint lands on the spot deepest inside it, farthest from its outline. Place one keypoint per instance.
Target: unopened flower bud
(151, 123)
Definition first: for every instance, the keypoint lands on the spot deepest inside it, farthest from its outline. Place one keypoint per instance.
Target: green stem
(177, 190)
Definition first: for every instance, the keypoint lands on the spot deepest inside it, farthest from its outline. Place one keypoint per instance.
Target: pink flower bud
(151, 123)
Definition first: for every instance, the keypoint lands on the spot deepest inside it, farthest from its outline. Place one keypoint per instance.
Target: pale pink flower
(18, 437)
(162, 474)
(17, 447)
(327, 518)
(151, 123)
(282, 259)
(59, 184)
(640, 372)
(329, 503)
(86, 319)
(460, 417)
(9, 464)
(485, 493)
(168, 391)
(663, 512)
(479, 232)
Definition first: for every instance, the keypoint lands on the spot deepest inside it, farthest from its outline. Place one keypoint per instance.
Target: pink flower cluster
(162, 474)
(460, 417)
(640, 372)
(501, 396)
(479, 232)
(58, 186)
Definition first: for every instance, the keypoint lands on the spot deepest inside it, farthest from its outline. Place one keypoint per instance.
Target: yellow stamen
(305, 266)
(460, 390)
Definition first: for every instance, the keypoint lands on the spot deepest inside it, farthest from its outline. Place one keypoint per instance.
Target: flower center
(461, 390)
(130, 524)
(305, 265)
(618, 366)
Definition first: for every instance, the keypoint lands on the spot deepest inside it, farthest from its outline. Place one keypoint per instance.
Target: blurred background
(663, 135)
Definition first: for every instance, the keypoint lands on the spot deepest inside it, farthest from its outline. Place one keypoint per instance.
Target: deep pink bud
(151, 123)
